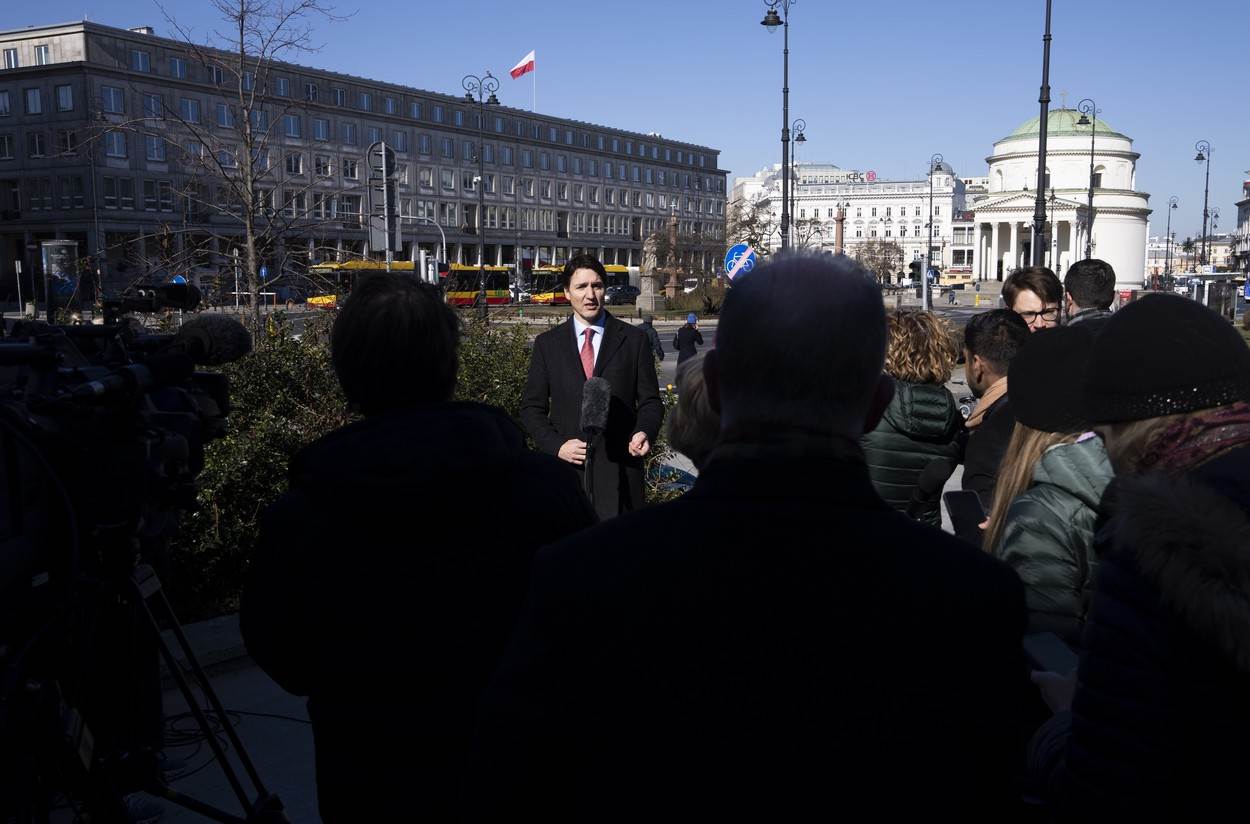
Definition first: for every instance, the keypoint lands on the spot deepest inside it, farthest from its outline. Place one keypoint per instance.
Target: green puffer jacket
(1050, 533)
(922, 425)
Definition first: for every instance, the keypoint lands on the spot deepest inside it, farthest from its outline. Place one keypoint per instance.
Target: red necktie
(588, 354)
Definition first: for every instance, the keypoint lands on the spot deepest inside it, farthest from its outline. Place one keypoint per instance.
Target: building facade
(1004, 215)
(1241, 238)
(128, 143)
(870, 210)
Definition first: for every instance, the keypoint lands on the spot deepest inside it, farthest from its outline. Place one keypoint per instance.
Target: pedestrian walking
(653, 336)
(688, 338)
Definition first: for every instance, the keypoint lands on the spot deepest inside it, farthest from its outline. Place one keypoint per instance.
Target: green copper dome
(1061, 123)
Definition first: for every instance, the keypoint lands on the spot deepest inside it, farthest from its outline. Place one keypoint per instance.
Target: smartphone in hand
(966, 513)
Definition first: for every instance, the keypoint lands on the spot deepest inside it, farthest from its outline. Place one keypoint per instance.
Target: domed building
(1004, 215)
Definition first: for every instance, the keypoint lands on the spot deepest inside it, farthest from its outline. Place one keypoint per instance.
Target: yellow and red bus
(463, 283)
(545, 285)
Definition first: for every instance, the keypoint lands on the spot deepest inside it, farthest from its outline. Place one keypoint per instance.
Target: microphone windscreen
(212, 339)
(596, 397)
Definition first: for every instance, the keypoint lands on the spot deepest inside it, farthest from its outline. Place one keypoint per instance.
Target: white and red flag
(524, 67)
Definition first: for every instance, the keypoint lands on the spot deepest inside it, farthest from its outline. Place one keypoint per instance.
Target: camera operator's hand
(573, 451)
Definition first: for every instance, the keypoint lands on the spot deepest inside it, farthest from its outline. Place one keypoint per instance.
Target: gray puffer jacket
(921, 426)
(1049, 534)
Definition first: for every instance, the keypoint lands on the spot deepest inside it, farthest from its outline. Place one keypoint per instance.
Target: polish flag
(524, 67)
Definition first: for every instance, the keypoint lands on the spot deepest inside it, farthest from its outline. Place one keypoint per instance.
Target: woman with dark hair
(1154, 725)
(1050, 483)
(921, 432)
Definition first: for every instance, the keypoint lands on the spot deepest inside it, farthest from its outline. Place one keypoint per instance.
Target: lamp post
(771, 21)
(1053, 236)
(797, 129)
(935, 163)
(1043, 98)
(1204, 154)
(1089, 117)
(476, 90)
(1167, 261)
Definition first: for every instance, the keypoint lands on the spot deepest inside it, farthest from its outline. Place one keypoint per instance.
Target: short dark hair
(582, 262)
(1036, 279)
(394, 345)
(1091, 283)
(996, 337)
(800, 345)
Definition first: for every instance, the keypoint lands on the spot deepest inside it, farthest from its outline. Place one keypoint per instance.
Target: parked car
(617, 295)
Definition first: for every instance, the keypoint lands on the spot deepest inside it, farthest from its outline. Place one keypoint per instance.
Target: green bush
(494, 361)
(705, 300)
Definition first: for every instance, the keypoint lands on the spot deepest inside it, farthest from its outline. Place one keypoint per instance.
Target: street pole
(1043, 125)
(771, 21)
(1167, 264)
(796, 129)
(1204, 153)
(475, 91)
(935, 162)
(1089, 117)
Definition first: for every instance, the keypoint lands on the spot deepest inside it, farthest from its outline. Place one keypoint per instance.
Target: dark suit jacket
(551, 406)
(777, 645)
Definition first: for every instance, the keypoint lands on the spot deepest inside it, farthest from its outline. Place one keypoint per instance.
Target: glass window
(110, 192)
(36, 144)
(149, 195)
(527, 158)
(216, 76)
(6, 147)
(351, 168)
(447, 179)
(544, 161)
(165, 192)
(34, 101)
(448, 148)
(114, 144)
(348, 133)
(189, 110)
(310, 92)
(340, 97)
(468, 151)
(323, 166)
(291, 125)
(375, 134)
(260, 120)
(458, 117)
(126, 192)
(153, 107)
(400, 140)
(414, 109)
(294, 163)
(10, 59)
(607, 169)
(505, 155)
(424, 144)
(388, 105)
(6, 108)
(562, 163)
(509, 185)
(225, 116)
(437, 112)
(140, 61)
(282, 87)
(154, 147)
(41, 56)
(568, 137)
(425, 177)
(321, 128)
(364, 101)
(64, 98)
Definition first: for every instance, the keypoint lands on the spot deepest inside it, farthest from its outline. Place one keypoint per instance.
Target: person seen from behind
(371, 592)
(648, 326)
(1153, 727)
(1050, 483)
(686, 338)
(1035, 294)
(693, 425)
(1089, 289)
(922, 424)
(991, 341)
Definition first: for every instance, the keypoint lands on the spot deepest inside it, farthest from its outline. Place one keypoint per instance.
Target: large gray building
(127, 143)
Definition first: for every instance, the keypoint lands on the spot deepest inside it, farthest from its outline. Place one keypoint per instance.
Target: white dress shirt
(580, 326)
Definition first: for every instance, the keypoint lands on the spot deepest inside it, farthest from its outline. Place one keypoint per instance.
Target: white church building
(1004, 214)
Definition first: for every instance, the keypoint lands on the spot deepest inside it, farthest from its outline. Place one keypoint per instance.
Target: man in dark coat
(991, 341)
(592, 343)
(374, 589)
(648, 326)
(778, 644)
(686, 338)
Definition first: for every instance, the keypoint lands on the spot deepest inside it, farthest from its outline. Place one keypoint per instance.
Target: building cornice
(1126, 155)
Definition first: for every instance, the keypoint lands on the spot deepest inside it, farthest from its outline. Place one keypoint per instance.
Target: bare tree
(808, 232)
(227, 155)
(879, 257)
(750, 222)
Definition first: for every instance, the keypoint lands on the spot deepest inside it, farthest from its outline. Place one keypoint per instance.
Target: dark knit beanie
(1161, 355)
(1044, 379)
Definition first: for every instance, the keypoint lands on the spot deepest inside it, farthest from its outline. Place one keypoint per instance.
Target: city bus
(545, 285)
(463, 283)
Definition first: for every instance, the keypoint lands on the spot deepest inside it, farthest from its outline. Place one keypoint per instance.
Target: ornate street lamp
(1043, 98)
(797, 128)
(1204, 154)
(1167, 263)
(1089, 117)
(476, 90)
(771, 22)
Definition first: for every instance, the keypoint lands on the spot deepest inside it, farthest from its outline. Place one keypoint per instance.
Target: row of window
(65, 142)
(43, 193)
(42, 57)
(33, 100)
(363, 100)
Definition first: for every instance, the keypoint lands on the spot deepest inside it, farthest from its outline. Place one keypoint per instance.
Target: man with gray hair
(778, 643)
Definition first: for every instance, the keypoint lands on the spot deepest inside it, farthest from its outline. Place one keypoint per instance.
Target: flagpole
(535, 79)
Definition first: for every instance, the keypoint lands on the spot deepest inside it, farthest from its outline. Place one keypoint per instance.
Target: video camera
(102, 435)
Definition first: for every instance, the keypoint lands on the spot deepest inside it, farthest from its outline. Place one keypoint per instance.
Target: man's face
(1036, 314)
(585, 294)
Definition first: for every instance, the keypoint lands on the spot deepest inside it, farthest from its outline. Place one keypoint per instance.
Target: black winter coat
(921, 425)
(684, 341)
(653, 336)
(385, 585)
(776, 645)
(986, 446)
(1160, 719)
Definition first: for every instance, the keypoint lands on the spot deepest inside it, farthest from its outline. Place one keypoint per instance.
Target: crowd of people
(482, 640)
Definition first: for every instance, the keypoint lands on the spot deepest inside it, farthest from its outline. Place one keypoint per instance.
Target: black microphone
(211, 340)
(596, 397)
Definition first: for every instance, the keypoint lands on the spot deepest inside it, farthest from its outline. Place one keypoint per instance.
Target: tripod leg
(148, 588)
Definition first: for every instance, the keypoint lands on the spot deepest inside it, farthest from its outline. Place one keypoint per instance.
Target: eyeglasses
(1047, 314)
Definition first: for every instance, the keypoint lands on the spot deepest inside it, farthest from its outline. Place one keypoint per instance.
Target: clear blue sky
(881, 85)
